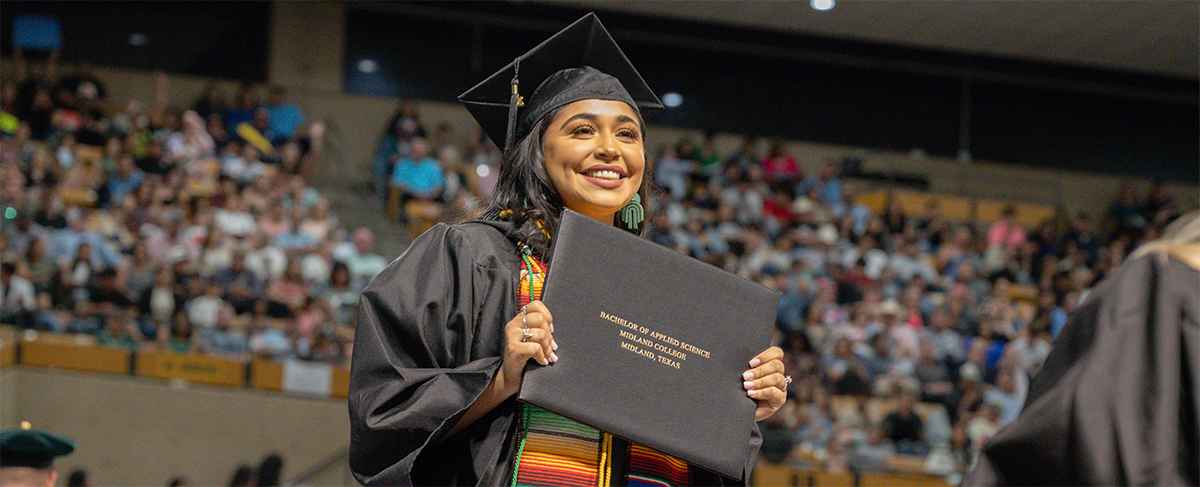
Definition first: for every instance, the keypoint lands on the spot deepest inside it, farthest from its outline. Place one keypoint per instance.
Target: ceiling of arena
(1160, 37)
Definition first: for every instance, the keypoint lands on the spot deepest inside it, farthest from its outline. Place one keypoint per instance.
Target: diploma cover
(652, 345)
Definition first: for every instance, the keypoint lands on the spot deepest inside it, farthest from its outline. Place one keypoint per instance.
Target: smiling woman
(446, 331)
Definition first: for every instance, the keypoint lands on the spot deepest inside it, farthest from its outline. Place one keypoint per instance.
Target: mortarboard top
(28, 447)
(580, 62)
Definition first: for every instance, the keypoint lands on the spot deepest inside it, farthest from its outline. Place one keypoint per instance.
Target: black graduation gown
(429, 339)
(1115, 402)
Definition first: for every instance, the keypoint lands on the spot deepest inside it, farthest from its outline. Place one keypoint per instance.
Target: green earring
(632, 213)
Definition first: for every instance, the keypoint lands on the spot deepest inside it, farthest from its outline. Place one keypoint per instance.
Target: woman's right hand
(539, 347)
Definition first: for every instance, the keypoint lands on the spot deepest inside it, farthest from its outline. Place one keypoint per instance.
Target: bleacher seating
(908, 278)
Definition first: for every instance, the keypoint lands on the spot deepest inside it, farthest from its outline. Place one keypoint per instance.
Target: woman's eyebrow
(591, 117)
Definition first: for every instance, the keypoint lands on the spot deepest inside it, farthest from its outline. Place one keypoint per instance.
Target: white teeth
(604, 174)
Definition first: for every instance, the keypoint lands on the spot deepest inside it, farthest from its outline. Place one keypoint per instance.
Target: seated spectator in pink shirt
(780, 167)
(192, 142)
(1006, 232)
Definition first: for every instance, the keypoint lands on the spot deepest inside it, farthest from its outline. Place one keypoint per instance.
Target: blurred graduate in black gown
(1116, 401)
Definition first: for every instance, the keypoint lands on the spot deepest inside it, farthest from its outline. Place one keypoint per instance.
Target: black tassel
(513, 102)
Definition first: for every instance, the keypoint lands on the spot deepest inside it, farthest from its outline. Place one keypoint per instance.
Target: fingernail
(543, 361)
(748, 385)
(751, 393)
(553, 357)
(553, 345)
(748, 375)
(755, 362)
(551, 327)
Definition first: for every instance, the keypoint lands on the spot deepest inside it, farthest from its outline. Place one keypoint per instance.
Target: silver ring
(526, 335)
(787, 380)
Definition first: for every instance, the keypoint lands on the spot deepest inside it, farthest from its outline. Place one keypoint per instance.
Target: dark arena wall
(813, 88)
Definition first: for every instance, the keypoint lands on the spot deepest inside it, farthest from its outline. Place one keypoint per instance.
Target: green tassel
(633, 213)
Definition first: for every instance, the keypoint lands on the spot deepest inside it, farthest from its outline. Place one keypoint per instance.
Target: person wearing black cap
(27, 457)
(445, 331)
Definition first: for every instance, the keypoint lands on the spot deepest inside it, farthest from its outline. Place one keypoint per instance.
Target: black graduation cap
(28, 447)
(580, 62)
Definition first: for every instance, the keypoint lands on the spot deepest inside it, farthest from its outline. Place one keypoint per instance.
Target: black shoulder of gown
(1116, 401)
(428, 341)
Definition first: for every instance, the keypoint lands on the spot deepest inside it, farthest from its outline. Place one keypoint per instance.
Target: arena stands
(182, 239)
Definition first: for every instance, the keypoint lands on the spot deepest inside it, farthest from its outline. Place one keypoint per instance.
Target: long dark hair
(525, 195)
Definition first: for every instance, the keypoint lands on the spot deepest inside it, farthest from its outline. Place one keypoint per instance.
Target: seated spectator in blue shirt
(222, 340)
(66, 242)
(124, 181)
(294, 241)
(829, 188)
(418, 175)
(360, 257)
(285, 116)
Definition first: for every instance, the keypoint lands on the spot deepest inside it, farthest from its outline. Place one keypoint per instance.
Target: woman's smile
(605, 176)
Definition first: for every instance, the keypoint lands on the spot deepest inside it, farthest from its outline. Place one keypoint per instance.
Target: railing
(83, 353)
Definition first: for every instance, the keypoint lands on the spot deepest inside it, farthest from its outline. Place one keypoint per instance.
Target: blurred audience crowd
(195, 229)
(188, 227)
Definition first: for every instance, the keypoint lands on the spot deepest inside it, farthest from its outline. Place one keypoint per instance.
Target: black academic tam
(27, 447)
(1116, 401)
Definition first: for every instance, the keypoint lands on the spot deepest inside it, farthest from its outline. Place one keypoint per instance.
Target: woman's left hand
(765, 382)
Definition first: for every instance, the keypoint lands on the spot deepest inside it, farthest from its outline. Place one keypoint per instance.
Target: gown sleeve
(417, 367)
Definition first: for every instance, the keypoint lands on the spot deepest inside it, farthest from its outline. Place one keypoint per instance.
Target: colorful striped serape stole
(648, 467)
(556, 451)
